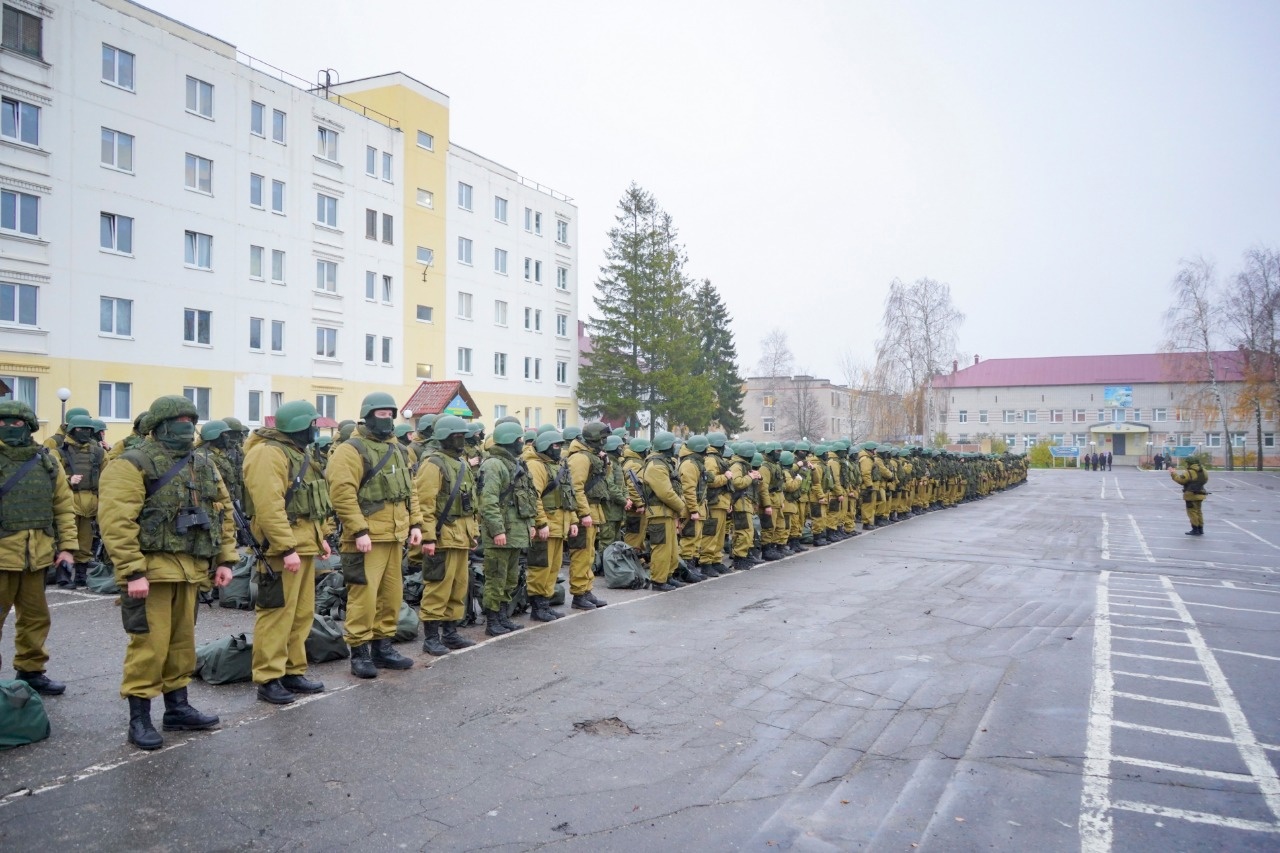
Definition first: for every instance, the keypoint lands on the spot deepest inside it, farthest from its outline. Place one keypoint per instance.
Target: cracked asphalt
(926, 686)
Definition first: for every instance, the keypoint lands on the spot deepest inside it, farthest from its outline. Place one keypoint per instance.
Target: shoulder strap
(297, 481)
(21, 472)
(453, 493)
(159, 484)
(370, 473)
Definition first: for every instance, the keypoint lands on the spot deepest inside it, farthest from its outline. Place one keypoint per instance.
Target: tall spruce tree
(718, 357)
(644, 346)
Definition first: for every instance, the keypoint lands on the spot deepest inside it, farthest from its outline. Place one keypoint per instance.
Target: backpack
(325, 642)
(101, 578)
(407, 623)
(413, 588)
(225, 661)
(621, 567)
(331, 597)
(558, 597)
(240, 593)
(22, 716)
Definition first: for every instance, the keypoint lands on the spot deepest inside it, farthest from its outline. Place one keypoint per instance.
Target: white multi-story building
(512, 328)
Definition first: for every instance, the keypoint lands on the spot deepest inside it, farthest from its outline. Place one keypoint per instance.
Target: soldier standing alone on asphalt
(289, 500)
(165, 517)
(36, 519)
(1193, 478)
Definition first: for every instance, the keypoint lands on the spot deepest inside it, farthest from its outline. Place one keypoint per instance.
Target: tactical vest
(702, 476)
(806, 484)
(307, 495)
(775, 476)
(673, 475)
(596, 489)
(393, 483)
(28, 505)
(194, 487)
(422, 450)
(463, 502)
(828, 478)
(714, 492)
(132, 441)
(229, 472)
(876, 474)
(740, 468)
(85, 460)
(1198, 480)
(520, 493)
(852, 473)
(553, 497)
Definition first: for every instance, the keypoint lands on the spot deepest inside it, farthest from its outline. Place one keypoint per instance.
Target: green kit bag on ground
(325, 642)
(22, 716)
(225, 661)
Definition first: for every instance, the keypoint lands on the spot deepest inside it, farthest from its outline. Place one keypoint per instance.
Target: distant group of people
(1096, 461)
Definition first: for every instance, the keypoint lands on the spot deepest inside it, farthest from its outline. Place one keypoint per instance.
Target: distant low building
(781, 408)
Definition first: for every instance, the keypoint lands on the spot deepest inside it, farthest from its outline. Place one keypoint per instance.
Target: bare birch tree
(1250, 310)
(920, 328)
(776, 358)
(1194, 323)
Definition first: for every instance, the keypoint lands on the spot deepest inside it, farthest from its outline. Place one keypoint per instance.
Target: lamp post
(1150, 460)
(64, 394)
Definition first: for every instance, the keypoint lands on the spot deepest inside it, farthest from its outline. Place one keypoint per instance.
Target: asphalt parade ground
(1054, 668)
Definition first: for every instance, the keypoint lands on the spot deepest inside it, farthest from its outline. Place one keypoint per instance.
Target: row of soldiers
(172, 519)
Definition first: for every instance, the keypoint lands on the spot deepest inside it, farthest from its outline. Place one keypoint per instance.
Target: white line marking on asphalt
(1119, 493)
(1153, 642)
(1175, 703)
(1152, 657)
(1254, 535)
(1197, 817)
(1146, 552)
(1179, 768)
(1255, 758)
(1157, 730)
(81, 601)
(1140, 606)
(1104, 488)
(1140, 597)
(1095, 796)
(1237, 609)
(1194, 681)
(1246, 654)
(1106, 546)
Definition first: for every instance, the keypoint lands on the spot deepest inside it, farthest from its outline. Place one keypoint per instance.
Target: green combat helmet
(345, 431)
(424, 425)
(639, 446)
(324, 441)
(19, 409)
(594, 434)
(507, 433)
(211, 430)
(376, 400)
(570, 433)
(75, 412)
(529, 434)
(547, 428)
(402, 430)
(447, 426)
(235, 425)
(786, 459)
(664, 441)
(475, 428)
(789, 445)
(757, 460)
(698, 443)
(612, 444)
(295, 416)
(745, 449)
(171, 406)
(545, 439)
(620, 432)
(717, 440)
(506, 419)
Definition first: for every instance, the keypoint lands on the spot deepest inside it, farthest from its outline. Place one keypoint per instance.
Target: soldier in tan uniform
(556, 521)
(665, 503)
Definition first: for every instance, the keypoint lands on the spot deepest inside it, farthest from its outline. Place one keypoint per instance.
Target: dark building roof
(433, 396)
(1090, 370)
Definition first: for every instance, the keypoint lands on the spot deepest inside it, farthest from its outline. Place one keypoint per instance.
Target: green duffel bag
(225, 661)
(325, 642)
(407, 624)
(101, 578)
(557, 597)
(413, 588)
(239, 594)
(22, 716)
(331, 596)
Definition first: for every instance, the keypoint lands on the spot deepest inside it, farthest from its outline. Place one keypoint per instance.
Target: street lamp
(1150, 460)
(64, 394)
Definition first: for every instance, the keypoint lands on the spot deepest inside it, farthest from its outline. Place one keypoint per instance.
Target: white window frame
(464, 359)
(21, 122)
(192, 318)
(370, 286)
(371, 161)
(199, 97)
(370, 348)
(277, 197)
(1030, 416)
(109, 227)
(280, 127)
(256, 326)
(562, 372)
(257, 255)
(116, 314)
(23, 388)
(199, 175)
(327, 143)
(326, 210)
(426, 198)
(562, 278)
(1010, 416)
(499, 209)
(112, 56)
(326, 343)
(277, 337)
(326, 405)
(562, 325)
(562, 231)
(20, 213)
(118, 397)
(426, 141)
(116, 141)
(255, 407)
(277, 266)
(500, 261)
(500, 312)
(963, 416)
(982, 416)
(425, 256)
(1159, 415)
(1213, 439)
(465, 196)
(464, 250)
(258, 119)
(22, 299)
(429, 310)
(255, 188)
(387, 170)
(198, 250)
(465, 305)
(388, 290)
(326, 275)
(500, 364)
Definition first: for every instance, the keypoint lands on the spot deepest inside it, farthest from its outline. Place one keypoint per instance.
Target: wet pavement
(1054, 668)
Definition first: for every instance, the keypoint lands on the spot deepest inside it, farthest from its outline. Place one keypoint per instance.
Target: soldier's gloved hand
(139, 588)
(364, 544)
(222, 576)
(292, 562)
(415, 537)
(500, 541)
(585, 521)
(544, 532)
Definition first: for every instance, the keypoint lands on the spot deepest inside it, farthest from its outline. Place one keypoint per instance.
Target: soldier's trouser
(608, 534)
(868, 506)
(711, 547)
(690, 537)
(581, 577)
(280, 633)
(24, 592)
(743, 533)
(501, 576)
(1195, 512)
(663, 550)
(446, 600)
(800, 513)
(163, 659)
(83, 552)
(846, 513)
(374, 606)
(817, 515)
(634, 528)
(541, 580)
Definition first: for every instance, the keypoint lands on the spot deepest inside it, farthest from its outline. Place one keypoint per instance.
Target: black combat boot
(675, 581)
(581, 602)
(142, 733)
(504, 618)
(361, 665)
(385, 656)
(796, 546)
(712, 570)
(666, 586)
(179, 716)
(871, 525)
(42, 684)
(742, 564)
(431, 643)
(450, 637)
(771, 553)
(301, 684)
(542, 610)
(493, 626)
(81, 571)
(821, 540)
(688, 574)
(276, 693)
(598, 602)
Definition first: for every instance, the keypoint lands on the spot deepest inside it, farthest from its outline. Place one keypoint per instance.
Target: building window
(386, 351)
(114, 401)
(371, 285)
(1077, 416)
(766, 424)
(528, 219)
(20, 122)
(195, 325)
(964, 416)
(327, 144)
(1135, 414)
(464, 251)
(117, 67)
(464, 195)
(22, 389)
(277, 400)
(115, 233)
(464, 359)
(277, 266)
(499, 313)
(199, 97)
(562, 418)
(327, 405)
(386, 166)
(426, 198)
(388, 226)
(500, 209)
(198, 250)
(1056, 439)
(1159, 415)
(18, 304)
(370, 344)
(115, 316)
(117, 150)
(1030, 416)
(370, 224)
(277, 196)
(499, 412)
(1117, 416)
(533, 368)
(537, 272)
(255, 334)
(326, 342)
(464, 305)
(426, 256)
(371, 161)
(1079, 439)
(255, 186)
(1010, 416)
(255, 262)
(562, 325)
(22, 32)
(277, 336)
(255, 407)
(500, 261)
(562, 278)
(982, 416)
(562, 372)
(562, 231)
(1237, 439)
(1213, 439)
(20, 212)
(199, 398)
(258, 119)
(423, 370)
(537, 223)
(1268, 439)
(326, 276)
(386, 290)
(499, 364)
(424, 314)
(426, 140)
(528, 269)
(326, 210)
(277, 126)
(1055, 416)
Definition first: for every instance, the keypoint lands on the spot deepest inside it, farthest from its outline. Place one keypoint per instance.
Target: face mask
(516, 447)
(553, 452)
(303, 437)
(454, 442)
(379, 426)
(177, 436)
(81, 436)
(16, 436)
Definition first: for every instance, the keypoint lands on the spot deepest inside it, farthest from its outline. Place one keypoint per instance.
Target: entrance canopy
(446, 396)
(1126, 427)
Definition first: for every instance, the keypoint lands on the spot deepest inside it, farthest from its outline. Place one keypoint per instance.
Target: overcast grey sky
(1052, 162)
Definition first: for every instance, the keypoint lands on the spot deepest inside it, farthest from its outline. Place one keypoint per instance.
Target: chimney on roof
(955, 365)
(975, 358)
